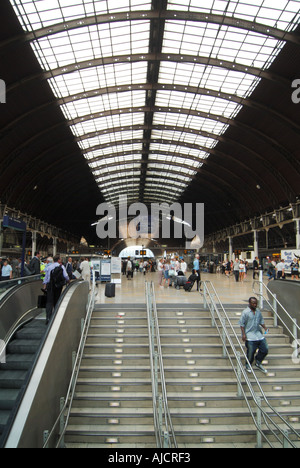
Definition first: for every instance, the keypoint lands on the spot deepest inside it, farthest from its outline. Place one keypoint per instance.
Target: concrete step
(111, 435)
(113, 401)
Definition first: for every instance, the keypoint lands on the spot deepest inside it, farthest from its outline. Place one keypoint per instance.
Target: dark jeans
(199, 282)
(253, 346)
(53, 295)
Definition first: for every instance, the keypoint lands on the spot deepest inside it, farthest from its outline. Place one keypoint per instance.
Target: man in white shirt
(183, 267)
(280, 270)
(86, 271)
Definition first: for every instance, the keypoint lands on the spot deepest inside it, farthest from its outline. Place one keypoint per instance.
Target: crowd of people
(54, 273)
(276, 269)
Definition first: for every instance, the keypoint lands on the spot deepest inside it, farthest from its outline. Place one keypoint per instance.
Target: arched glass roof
(149, 88)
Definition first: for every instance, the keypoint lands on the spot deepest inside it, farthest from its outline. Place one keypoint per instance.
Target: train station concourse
(149, 225)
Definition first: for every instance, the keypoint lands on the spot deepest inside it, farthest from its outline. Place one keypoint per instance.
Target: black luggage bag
(110, 290)
(180, 281)
(42, 302)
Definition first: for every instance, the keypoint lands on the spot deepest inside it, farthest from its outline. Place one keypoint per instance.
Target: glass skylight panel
(110, 138)
(184, 150)
(105, 102)
(183, 137)
(220, 42)
(204, 103)
(176, 160)
(124, 149)
(283, 14)
(98, 78)
(115, 160)
(189, 122)
(207, 77)
(108, 123)
(42, 13)
(92, 42)
(115, 176)
(107, 116)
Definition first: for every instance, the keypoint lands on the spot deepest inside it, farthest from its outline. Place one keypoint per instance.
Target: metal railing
(51, 439)
(164, 430)
(264, 294)
(7, 286)
(263, 416)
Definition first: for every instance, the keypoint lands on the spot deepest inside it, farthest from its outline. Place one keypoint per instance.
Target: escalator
(20, 357)
(24, 331)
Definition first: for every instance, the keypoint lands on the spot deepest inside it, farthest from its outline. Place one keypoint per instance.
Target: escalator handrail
(14, 412)
(66, 410)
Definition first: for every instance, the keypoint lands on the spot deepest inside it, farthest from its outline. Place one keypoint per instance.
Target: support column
(297, 221)
(255, 238)
(54, 246)
(34, 247)
(230, 248)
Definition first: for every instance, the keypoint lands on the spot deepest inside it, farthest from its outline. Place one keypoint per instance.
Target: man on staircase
(250, 324)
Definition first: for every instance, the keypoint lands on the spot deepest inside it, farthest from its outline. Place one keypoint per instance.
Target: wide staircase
(113, 405)
(202, 387)
(113, 401)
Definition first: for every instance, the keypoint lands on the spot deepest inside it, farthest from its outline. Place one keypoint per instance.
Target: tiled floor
(133, 291)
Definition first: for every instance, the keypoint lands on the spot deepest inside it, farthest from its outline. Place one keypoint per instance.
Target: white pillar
(297, 221)
(34, 247)
(54, 246)
(230, 248)
(255, 238)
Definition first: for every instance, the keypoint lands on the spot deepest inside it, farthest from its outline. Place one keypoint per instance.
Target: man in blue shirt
(196, 267)
(6, 272)
(250, 324)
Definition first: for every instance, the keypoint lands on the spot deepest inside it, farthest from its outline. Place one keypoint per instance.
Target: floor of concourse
(133, 291)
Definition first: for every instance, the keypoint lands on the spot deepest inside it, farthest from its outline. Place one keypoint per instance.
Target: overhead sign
(14, 224)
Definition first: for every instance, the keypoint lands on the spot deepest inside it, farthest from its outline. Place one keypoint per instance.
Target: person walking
(56, 278)
(6, 271)
(86, 271)
(256, 268)
(250, 323)
(35, 264)
(236, 270)
(280, 268)
(196, 267)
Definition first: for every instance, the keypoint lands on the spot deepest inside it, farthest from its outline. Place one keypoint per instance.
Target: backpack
(57, 277)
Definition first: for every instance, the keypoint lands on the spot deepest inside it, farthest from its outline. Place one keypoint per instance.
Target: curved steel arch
(161, 57)
(230, 97)
(182, 130)
(187, 112)
(277, 175)
(162, 15)
(155, 58)
(213, 176)
(270, 193)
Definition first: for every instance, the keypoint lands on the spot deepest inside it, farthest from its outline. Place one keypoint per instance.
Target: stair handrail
(64, 415)
(240, 371)
(164, 429)
(274, 307)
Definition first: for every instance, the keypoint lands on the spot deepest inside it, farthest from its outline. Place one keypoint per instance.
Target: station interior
(144, 137)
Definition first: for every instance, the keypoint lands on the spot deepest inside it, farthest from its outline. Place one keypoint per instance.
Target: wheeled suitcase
(110, 290)
(42, 302)
(180, 281)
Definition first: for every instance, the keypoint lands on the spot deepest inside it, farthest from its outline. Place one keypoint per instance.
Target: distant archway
(136, 252)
